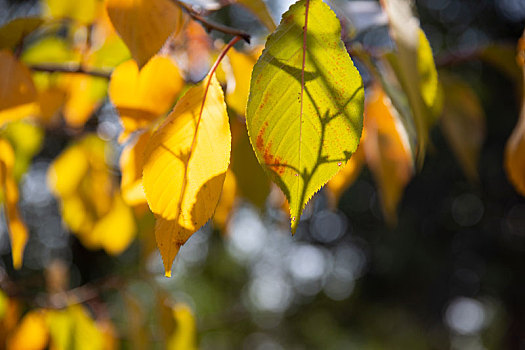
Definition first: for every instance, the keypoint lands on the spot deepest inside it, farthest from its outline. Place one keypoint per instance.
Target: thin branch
(211, 25)
(53, 68)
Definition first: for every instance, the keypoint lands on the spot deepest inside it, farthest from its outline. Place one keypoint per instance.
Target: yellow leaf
(84, 95)
(116, 230)
(185, 165)
(17, 230)
(91, 206)
(185, 335)
(131, 161)
(32, 333)
(73, 328)
(142, 96)
(17, 92)
(226, 202)
(386, 150)
(346, 177)
(144, 25)
(83, 11)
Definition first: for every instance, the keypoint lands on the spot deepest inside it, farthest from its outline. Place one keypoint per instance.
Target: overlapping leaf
(12, 33)
(144, 25)
(185, 165)
(386, 151)
(142, 96)
(91, 206)
(304, 113)
(17, 91)
(131, 161)
(9, 189)
(413, 50)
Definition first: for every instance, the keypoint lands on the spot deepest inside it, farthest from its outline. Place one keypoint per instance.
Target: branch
(211, 25)
(53, 68)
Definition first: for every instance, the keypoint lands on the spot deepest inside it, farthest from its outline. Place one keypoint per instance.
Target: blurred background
(449, 275)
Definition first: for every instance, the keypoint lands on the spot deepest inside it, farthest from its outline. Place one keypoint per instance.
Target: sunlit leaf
(131, 161)
(413, 50)
(259, 9)
(84, 95)
(12, 33)
(185, 165)
(90, 203)
(31, 334)
(144, 25)
(116, 230)
(9, 190)
(26, 139)
(304, 113)
(463, 123)
(73, 328)
(185, 335)
(4, 302)
(50, 50)
(82, 11)
(16, 88)
(142, 96)
(386, 150)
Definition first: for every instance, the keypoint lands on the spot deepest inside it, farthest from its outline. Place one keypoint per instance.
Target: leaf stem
(211, 25)
(53, 68)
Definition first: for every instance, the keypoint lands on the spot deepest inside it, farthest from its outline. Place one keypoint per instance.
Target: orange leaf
(386, 150)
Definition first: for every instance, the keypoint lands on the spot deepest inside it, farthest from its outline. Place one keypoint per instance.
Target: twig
(211, 25)
(53, 68)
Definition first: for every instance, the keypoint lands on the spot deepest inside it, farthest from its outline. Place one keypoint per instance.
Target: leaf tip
(167, 273)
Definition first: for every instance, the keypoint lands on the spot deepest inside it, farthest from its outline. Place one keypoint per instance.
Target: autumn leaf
(9, 190)
(12, 33)
(17, 91)
(185, 333)
(84, 11)
(421, 84)
(304, 113)
(386, 150)
(131, 161)
(144, 25)
(31, 334)
(90, 203)
(514, 160)
(142, 96)
(185, 165)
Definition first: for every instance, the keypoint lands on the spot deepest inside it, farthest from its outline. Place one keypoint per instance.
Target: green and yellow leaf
(305, 108)
(259, 9)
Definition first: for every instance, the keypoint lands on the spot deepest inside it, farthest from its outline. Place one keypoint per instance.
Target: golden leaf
(142, 96)
(185, 165)
(144, 25)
